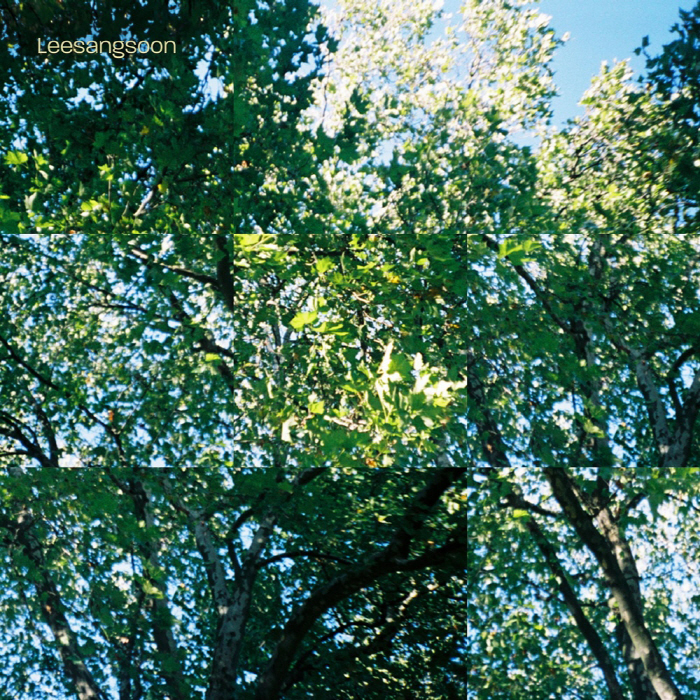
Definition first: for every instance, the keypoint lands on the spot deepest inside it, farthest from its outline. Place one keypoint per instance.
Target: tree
(584, 389)
(231, 357)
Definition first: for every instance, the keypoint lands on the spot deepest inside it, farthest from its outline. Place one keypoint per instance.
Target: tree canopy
(232, 352)
(583, 371)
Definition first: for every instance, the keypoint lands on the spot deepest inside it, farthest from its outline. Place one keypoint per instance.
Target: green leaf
(303, 318)
(323, 265)
(16, 158)
(592, 429)
(317, 407)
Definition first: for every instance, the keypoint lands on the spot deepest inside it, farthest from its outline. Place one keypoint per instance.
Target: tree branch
(161, 617)
(311, 553)
(52, 608)
(273, 677)
(595, 643)
(381, 641)
(149, 261)
(204, 342)
(530, 281)
(630, 612)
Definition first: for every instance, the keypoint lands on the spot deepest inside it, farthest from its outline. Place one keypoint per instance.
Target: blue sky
(604, 30)
(600, 30)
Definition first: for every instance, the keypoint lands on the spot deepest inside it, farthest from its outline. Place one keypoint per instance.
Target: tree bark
(595, 643)
(76, 671)
(495, 450)
(161, 617)
(642, 687)
(630, 612)
(232, 606)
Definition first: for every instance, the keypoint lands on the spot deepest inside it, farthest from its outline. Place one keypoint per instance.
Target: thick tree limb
(641, 684)
(30, 448)
(52, 608)
(224, 271)
(233, 605)
(595, 643)
(674, 447)
(273, 678)
(513, 500)
(629, 609)
(496, 455)
(388, 627)
(683, 358)
(161, 617)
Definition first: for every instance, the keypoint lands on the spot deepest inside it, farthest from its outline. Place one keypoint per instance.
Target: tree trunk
(639, 681)
(630, 611)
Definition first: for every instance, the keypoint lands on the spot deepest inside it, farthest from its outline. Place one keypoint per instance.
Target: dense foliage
(232, 344)
(583, 370)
